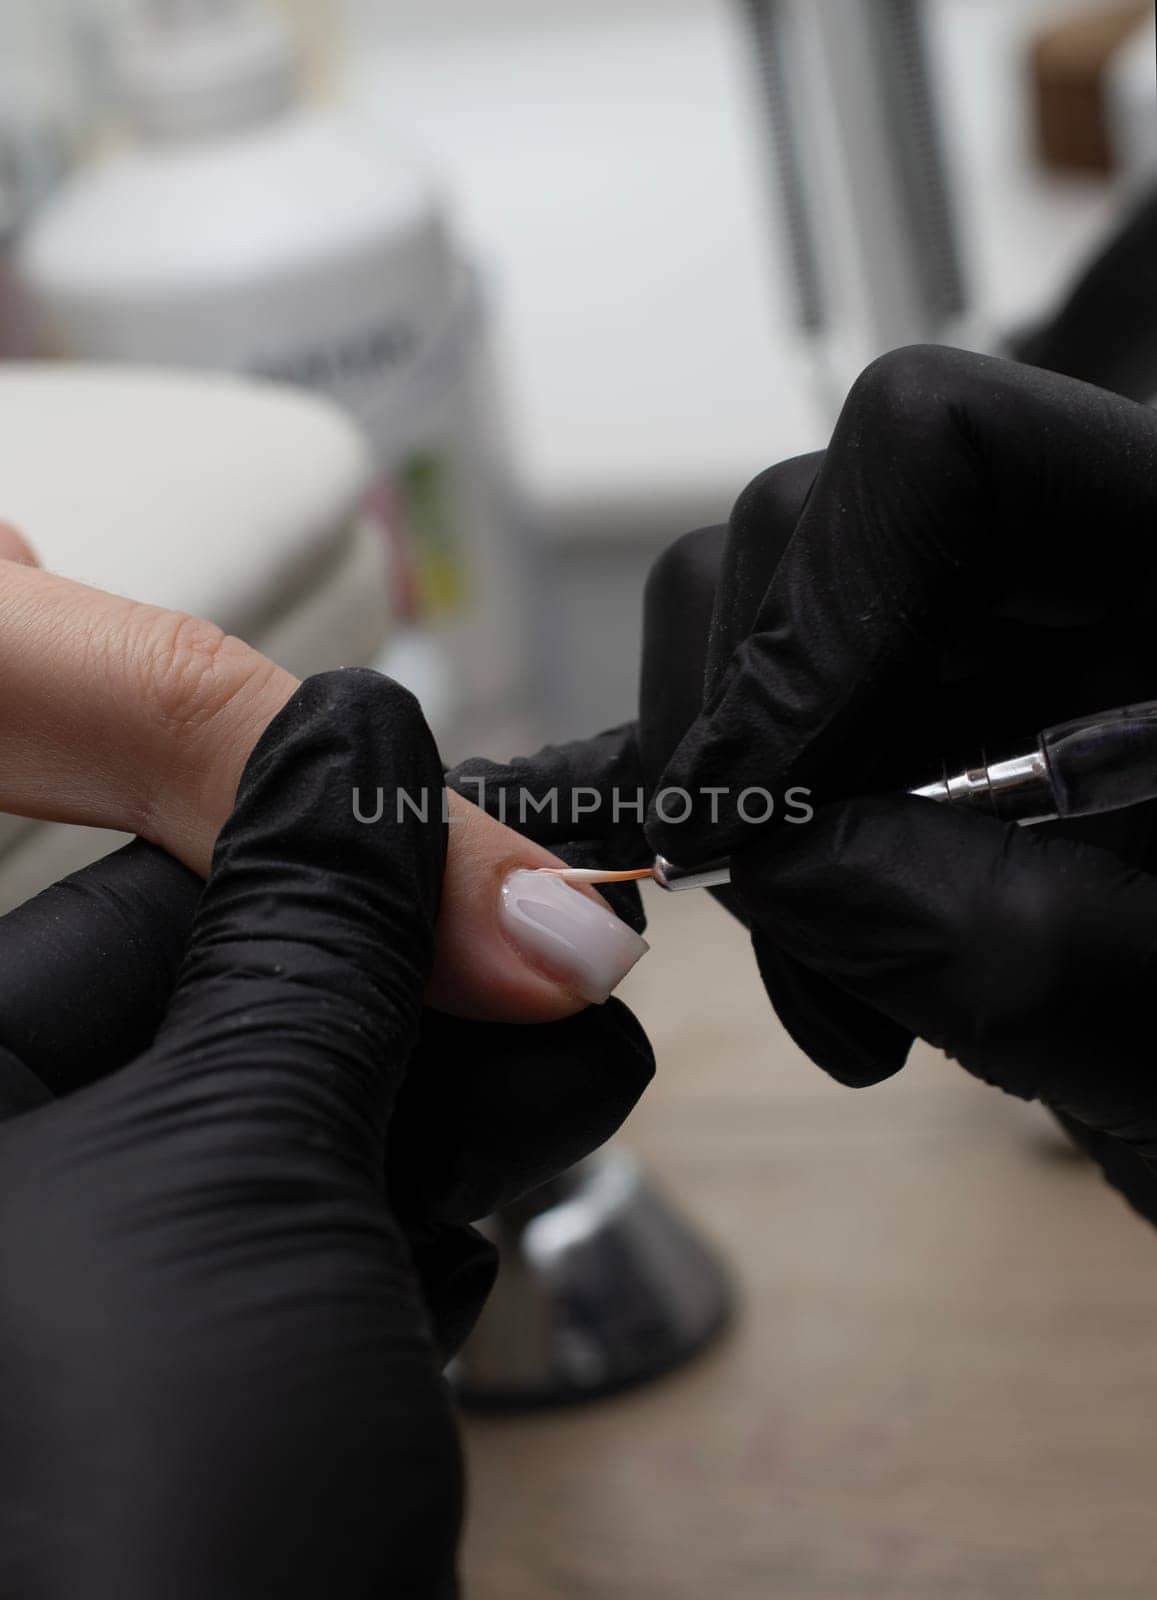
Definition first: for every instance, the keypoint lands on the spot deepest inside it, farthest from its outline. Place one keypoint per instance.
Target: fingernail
(576, 939)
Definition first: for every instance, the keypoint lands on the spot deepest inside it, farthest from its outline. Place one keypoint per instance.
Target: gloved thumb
(314, 936)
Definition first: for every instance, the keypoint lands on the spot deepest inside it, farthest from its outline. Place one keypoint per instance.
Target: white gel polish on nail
(576, 939)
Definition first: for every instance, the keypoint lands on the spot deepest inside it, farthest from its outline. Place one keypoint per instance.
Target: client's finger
(121, 715)
(514, 945)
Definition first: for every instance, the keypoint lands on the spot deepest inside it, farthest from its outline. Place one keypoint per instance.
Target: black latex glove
(600, 788)
(973, 558)
(1030, 960)
(218, 1375)
(701, 593)
(487, 1112)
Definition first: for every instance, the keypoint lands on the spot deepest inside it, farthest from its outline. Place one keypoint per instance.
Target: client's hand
(123, 715)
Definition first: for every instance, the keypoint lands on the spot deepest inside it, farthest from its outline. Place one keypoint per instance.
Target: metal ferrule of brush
(1015, 789)
(709, 875)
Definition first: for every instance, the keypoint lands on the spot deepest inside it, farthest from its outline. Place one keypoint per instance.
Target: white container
(258, 491)
(243, 232)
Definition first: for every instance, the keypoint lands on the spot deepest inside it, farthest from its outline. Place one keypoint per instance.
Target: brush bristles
(595, 874)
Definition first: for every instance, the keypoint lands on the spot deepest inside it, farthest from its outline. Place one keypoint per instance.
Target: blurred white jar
(45, 103)
(243, 231)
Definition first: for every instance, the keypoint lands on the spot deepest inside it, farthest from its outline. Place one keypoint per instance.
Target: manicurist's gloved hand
(971, 559)
(488, 1110)
(122, 715)
(219, 1375)
(1029, 959)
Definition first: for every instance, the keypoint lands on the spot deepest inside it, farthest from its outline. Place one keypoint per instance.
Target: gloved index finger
(956, 487)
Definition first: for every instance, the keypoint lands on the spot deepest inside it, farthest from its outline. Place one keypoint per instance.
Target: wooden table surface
(943, 1381)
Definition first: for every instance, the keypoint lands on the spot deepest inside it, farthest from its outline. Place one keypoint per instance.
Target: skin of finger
(121, 715)
(73, 734)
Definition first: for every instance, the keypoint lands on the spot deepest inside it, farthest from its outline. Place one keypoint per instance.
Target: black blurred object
(1105, 329)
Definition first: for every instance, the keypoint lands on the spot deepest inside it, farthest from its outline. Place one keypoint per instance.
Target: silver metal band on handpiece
(1018, 790)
